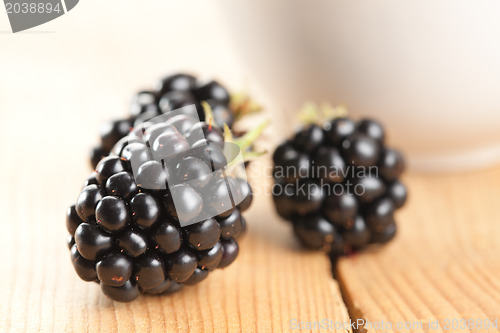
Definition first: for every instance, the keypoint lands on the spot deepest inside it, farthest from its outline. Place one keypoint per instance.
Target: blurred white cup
(428, 70)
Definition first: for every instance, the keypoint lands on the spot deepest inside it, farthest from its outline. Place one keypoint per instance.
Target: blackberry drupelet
(170, 93)
(126, 233)
(337, 184)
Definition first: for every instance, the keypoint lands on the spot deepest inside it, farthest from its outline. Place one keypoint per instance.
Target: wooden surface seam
(442, 265)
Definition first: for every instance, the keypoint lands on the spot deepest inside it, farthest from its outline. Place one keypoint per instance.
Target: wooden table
(444, 263)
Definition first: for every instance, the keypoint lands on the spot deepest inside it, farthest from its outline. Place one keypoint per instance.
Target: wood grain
(444, 263)
(272, 282)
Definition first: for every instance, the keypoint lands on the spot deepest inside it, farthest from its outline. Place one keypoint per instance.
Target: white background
(61, 80)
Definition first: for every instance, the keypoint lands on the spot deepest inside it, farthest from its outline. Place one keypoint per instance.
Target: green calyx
(209, 115)
(245, 142)
(242, 105)
(312, 113)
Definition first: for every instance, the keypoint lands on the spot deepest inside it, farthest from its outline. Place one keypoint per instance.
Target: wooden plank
(444, 262)
(271, 283)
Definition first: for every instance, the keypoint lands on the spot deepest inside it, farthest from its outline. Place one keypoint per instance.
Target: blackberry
(338, 184)
(161, 211)
(173, 92)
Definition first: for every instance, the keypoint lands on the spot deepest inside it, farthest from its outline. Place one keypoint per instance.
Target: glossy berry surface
(176, 82)
(203, 235)
(145, 209)
(87, 201)
(168, 237)
(309, 138)
(150, 272)
(230, 251)
(170, 93)
(338, 185)
(126, 293)
(113, 131)
(108, 167)
(112, 214)
(210, 259)
(231, 226)
(182, 265)
(212, 90)
(72, 220)
(133, 243)
(91, 241)
(142, 102)
(124, 229)
(114, 269)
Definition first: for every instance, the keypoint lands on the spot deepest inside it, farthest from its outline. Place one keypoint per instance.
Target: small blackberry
(161, 211)
(171, 93)
(338, 184)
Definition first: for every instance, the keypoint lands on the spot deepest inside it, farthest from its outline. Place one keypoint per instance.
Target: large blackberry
(173, 92)
(338, 183)
(162, 211)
